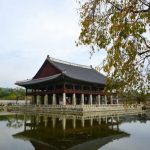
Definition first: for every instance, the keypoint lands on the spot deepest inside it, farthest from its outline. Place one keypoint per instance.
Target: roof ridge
(69, 63)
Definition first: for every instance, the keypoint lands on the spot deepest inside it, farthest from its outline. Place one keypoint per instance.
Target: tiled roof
(36, 81)
(79, 72)
(74, 71)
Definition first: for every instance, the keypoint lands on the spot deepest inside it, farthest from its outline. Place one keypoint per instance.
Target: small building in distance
(63, 83)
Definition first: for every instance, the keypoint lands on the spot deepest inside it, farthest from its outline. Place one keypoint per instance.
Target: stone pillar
(38, 100)
(111, 99)
(99, 99)
(46, 100)
(91, 99)
(73, 99)
(54, 99)
(117, 99)
(106, 99)
(82, 99)
(64, 98)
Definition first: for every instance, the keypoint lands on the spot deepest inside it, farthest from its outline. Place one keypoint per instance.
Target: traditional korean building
(63, 83)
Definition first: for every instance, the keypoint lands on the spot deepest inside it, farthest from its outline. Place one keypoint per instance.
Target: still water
(74, 132)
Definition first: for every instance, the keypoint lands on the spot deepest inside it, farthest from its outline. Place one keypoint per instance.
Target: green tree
(122, 29)
(1, 93)
(13, 94)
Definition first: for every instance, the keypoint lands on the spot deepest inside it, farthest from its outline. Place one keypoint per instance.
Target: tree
(122, 29)
(1, 93)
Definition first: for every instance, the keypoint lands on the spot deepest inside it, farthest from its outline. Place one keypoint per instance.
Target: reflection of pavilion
(66, 131)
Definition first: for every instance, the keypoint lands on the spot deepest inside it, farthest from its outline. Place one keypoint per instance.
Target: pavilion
(63, 83)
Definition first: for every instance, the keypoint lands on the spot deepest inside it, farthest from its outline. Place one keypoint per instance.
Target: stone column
(82, 99)
(99, 99)
(38, 100)
(106, 99)
(117, 99)
(73, 99)
(46, 100)
(91, 99)
(54, 99)
(111, 99)
(64, 98)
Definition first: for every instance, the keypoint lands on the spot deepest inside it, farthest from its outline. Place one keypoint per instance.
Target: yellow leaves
(119, 31)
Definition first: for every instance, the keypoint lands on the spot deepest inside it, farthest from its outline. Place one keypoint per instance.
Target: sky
(32, 29)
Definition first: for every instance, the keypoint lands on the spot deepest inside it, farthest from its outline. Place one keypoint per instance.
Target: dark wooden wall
(46, 70)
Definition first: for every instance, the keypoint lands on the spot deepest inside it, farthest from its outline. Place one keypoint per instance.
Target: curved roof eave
(36, 81)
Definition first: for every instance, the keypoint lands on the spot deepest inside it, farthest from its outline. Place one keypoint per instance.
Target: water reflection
(65, 131)
(74, 132)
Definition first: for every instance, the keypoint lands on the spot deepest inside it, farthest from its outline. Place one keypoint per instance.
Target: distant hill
(12, 93)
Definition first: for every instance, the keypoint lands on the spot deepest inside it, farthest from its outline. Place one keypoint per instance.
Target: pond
(74, 132)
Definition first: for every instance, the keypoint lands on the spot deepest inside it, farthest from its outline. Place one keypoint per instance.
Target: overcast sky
(32, 29)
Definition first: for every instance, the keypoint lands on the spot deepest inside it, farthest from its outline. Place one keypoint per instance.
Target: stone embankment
(75, 109)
